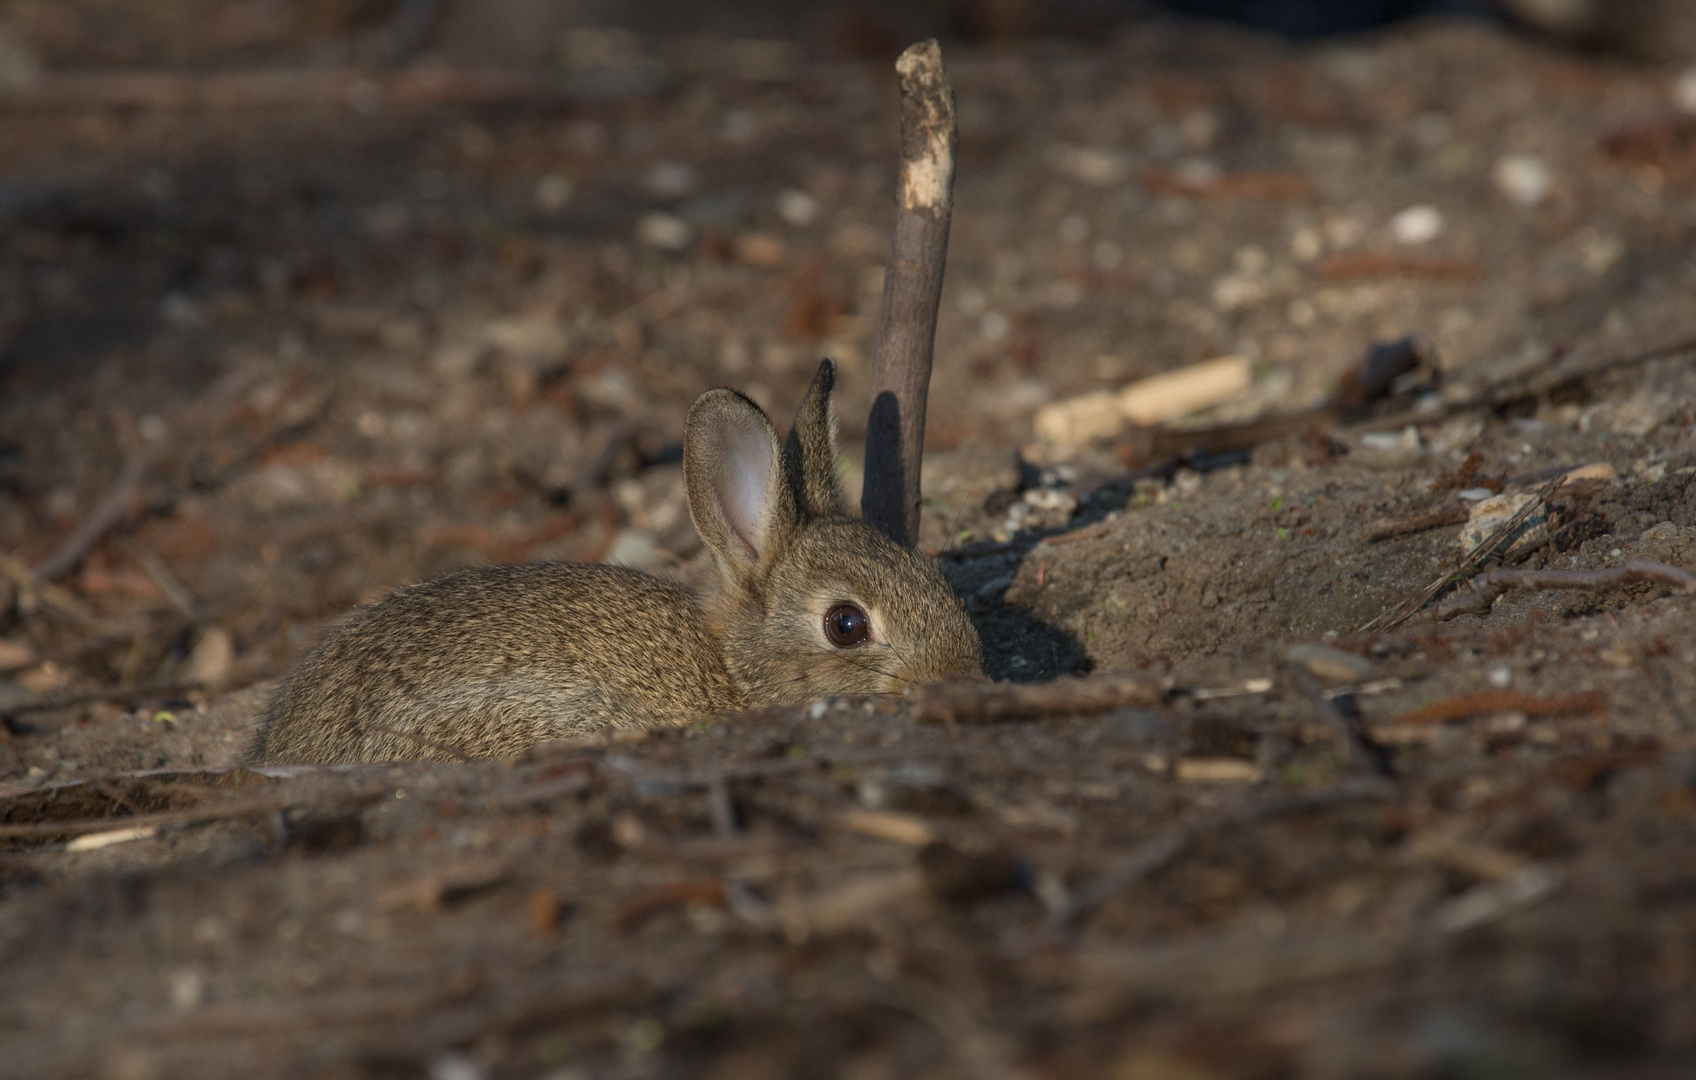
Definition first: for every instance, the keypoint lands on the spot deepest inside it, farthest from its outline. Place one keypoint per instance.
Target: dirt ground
(347, 347)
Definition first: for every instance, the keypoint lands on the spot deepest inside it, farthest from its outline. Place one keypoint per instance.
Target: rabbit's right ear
(733, 472)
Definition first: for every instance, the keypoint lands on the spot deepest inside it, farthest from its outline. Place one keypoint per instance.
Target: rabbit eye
(846, 625)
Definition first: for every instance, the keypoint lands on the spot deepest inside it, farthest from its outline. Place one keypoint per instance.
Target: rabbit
(806, 602)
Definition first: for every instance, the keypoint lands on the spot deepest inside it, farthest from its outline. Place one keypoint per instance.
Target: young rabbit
(490, 660)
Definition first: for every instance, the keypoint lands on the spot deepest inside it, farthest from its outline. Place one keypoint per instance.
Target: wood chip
(1157, 399)
(977, 700)
(887, 825)
(96, 841)
(1218, 771)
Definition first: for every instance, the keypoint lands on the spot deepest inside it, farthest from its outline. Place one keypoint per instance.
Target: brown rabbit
(808, 602)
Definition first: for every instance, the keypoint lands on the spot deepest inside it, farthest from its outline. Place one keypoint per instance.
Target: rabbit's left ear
(809, 456)
(733, 473)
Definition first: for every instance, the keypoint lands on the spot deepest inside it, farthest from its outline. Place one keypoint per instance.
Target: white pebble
(1684, 90)
(1501, 677)
(665, 231)
(1523, 178)
(1417, 225)
(797, 207)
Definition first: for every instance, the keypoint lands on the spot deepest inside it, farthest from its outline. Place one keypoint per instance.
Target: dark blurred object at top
(1647, 29)
(226, 34)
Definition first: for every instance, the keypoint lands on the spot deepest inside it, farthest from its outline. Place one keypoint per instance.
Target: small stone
(1474, 494)
(1662, 534)
(1500, 676)
(761, 249)
(1523, 178)
(1417, 225)
(1684, 90)
(1331, 664)
(1491, 514)
(668, 232)
(16, 654)
(797, 208)
(209, 662)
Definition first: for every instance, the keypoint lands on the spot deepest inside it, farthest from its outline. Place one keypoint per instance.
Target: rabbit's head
(810, 601)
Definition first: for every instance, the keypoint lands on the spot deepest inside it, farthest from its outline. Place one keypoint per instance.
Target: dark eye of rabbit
(846, 625)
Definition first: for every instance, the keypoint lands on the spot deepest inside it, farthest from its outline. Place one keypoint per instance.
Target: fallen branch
(912, 289)
(1504, 701)
(48, 830)
(287, 87)
(978, 701)
(1487, 588)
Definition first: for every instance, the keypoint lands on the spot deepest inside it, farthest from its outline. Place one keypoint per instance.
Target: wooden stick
(979, 701)
(281, 87)
(912, 290)
(47, 830)
(1413, 523)
(1487, 588)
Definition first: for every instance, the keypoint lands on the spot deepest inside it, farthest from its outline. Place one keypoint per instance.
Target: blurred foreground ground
(360, 344)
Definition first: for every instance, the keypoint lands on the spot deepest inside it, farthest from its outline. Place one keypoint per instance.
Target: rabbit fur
(488, 661)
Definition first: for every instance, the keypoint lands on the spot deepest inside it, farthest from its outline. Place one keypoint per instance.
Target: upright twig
(912, 289)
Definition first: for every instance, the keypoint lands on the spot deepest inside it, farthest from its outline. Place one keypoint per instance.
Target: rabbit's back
(488, 661)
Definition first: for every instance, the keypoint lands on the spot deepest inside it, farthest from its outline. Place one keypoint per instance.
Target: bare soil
(362, 346)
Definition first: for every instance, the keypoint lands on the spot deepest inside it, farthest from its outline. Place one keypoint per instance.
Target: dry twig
(1504, 701)
(1407, 524)
(978, 701)
(302, 87)
(912, 289)
(1468, 563)
(200, 815)
(1487, 588)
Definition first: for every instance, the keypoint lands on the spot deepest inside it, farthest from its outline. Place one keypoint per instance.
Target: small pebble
(1417, 225)
(1501, 677)
(1684, 90)
(1474, 494)
(1523, 178)
(797, 208)
(664, 231)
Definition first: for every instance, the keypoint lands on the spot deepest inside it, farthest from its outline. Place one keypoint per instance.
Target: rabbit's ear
(733, 471)
(809, 457)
